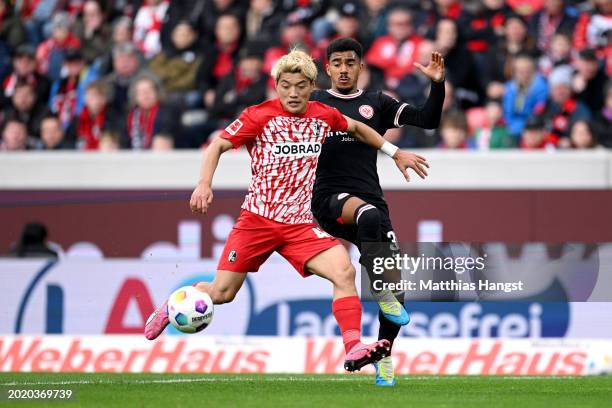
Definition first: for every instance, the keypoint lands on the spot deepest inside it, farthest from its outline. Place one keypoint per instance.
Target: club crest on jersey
(296, 149)
(232, 256)
(366, 111)
(234, 127)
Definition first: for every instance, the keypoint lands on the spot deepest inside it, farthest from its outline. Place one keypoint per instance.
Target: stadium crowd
(155, 74)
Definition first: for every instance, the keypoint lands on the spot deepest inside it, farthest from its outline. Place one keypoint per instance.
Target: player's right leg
(334, 265)
(222, 289)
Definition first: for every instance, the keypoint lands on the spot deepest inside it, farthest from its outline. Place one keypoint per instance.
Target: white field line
(348, 378)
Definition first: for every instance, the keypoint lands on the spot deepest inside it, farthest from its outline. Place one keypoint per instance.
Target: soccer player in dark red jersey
(347, 199)
(284, 138)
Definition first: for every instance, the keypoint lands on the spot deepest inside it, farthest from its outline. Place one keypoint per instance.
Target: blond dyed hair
(296, 62)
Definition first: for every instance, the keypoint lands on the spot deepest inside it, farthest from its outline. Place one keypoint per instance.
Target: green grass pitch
(250, 390)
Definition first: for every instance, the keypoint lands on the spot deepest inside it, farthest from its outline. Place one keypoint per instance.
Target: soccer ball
(190, 310)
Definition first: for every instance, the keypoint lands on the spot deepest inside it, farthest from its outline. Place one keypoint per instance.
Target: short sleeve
(243, 130)
(337, 121)
(391, 110)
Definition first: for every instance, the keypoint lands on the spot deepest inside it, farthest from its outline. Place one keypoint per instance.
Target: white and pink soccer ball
(190, 310)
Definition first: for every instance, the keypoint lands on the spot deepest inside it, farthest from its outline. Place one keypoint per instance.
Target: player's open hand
(201, 198)
(435, 69)
(405, 160)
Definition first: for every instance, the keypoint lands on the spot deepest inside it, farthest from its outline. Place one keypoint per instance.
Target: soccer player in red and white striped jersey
(284, 138)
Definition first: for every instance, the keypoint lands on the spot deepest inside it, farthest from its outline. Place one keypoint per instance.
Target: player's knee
(367, 218)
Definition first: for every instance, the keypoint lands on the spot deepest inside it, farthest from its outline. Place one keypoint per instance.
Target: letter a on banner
(132, 289)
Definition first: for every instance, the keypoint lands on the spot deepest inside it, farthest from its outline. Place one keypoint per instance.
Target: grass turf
(250, 390)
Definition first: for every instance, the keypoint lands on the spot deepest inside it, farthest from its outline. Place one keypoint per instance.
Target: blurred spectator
(35, 15)
(555, 17)
(374, 20)
(346, 25)
(214, 9)
(147, 117)
(189, 11)
(12, 31)
(263, 20)
(582, 136)
(454, 131)
(559, 53)
(52, 135)
(526, 8)
(482, 25)
(122, 30)
(24, 71)
(395, 53)
(14, 136)
(219, 60)
(294, 34)
(493, 133)
(534, 136)
(501, 57)
(603, 119)
(94, 32)
(50, 53)
(438, 10)
(162, 143)
(147, 26)
(414, 87)
(177, 67)
(109, 142)
(126, 64)
(460, 65)
(68, 93)
(594, 29)
(590, 80)
(32, 243)
(562, 110)
(245, 88)
(525, 93)
(23, 107)
(97, 116)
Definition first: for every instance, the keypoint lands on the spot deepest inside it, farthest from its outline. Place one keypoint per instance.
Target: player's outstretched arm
(202, 195)
(403, 160)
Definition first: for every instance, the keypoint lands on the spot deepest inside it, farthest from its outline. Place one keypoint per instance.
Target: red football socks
(347, 311)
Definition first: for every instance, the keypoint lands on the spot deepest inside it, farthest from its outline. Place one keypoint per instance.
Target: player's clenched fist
(405, 160)
(201, 198)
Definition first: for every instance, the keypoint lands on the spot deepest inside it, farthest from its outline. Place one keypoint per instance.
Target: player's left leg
(370, 222)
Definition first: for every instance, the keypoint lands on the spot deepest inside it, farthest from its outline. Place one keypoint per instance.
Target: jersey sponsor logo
(234, 127)
(366, 111)
(232, 256)
(297, 149)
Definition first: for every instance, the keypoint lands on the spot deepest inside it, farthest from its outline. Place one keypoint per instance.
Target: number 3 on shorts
(320, 234)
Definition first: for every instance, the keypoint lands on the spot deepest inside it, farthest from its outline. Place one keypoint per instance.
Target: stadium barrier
(206, 354)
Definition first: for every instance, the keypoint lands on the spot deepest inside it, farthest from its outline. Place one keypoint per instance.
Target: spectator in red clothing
(219, 59)
(555, 17)
(24, 71)
(50, 53)
(562, 110)
(534, 135)
(439, 9)
(14, 136)
(594, 29)
(147, 117)
(590, 80)
(96, 116)
(147, 26)
(395, 53)
(294, 34)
